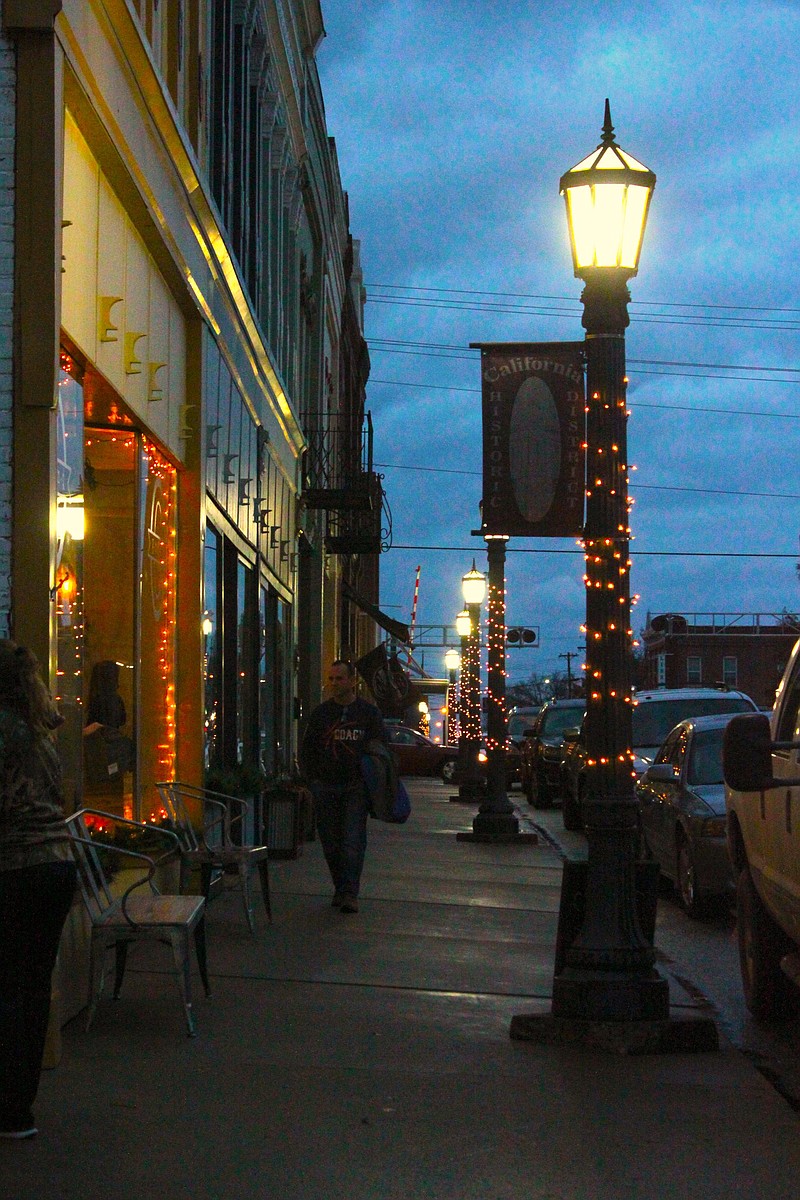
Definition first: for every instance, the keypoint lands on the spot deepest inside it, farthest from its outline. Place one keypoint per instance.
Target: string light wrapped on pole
(468, 624)
(496, 820)
(606, 989)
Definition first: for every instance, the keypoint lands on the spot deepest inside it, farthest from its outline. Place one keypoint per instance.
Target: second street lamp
(452, 662)
(496, 819)
(473, 589)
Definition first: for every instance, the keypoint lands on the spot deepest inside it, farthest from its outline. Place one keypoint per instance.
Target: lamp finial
(608, 128)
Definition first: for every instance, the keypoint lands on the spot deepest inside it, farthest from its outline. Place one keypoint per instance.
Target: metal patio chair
(117, 921)
(221, 844)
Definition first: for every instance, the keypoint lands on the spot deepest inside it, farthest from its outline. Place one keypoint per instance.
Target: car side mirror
(661, 773)
(747, 754)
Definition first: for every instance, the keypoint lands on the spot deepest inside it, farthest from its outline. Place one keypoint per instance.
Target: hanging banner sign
(533, 438)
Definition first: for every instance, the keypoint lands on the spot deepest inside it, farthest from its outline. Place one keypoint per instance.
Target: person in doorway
(37, 880)
(330, 756)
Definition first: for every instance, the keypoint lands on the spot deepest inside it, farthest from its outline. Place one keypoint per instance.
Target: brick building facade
(747, 651)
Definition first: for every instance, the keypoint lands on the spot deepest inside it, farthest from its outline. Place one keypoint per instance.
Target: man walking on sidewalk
(330, 756)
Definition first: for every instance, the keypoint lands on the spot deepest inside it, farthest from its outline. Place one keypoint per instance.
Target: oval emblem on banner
(534, 449)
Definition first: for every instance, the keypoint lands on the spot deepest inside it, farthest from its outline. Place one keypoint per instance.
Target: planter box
(282, 827)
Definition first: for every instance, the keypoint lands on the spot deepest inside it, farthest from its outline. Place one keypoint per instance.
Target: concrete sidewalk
(368, 1057)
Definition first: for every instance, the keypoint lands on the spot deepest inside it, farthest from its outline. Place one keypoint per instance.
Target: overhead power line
(633, 553)
(634, 303)
(693, 408)
(394, 345)
(685, 319)
(655, 487)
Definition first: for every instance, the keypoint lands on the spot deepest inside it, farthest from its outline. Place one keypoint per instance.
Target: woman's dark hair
(23, 689)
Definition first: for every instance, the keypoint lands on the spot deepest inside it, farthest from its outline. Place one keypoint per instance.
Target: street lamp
(452, 661)
(468, 626)
(496, 819)
(608, 973)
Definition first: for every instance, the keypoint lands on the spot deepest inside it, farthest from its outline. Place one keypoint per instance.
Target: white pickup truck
(761, 765)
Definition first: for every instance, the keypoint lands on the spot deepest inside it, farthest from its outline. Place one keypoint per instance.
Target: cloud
(454, 123)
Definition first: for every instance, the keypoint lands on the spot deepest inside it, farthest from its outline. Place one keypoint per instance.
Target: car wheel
(686, 880)
(571, 811)
(761, 946)
(448, 771)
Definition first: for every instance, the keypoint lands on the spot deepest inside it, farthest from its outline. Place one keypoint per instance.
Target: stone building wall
(7, 127)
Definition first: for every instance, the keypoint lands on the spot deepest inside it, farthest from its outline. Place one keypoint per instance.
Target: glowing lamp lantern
(463, 625)
(452, 659)
(473, 586)
(608, 197)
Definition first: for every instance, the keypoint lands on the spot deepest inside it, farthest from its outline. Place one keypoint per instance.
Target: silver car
(682, 797)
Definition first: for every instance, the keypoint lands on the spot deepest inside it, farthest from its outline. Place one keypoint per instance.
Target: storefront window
(69, 574)
(158, 580)
(110, 467)
(130, 588)
(212, 647)
(266, 675)
(246, 648)
(274, 682)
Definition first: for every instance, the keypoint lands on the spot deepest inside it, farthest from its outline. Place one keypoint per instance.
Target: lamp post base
(580, 995)
(498, 828)
(678, 1033)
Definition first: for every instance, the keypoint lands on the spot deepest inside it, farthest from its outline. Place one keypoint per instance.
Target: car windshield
(556, 720)
(705, 760)
(519, 722)
(653, 719)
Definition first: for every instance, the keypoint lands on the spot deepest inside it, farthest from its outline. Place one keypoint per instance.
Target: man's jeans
(342, 826)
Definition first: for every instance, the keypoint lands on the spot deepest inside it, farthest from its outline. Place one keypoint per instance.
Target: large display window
(114, 596)
(130, 575)
(68, 583)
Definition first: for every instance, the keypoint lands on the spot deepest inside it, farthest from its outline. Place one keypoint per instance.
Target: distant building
(747, 651)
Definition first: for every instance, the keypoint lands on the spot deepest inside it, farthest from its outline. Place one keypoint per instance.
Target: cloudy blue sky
(453, 123)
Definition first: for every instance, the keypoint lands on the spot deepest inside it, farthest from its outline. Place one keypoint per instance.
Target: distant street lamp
(473, 589)
(496, 819)
(608, 972)
(452, 661)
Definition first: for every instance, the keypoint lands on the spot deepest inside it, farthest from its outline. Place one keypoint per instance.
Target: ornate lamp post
(608, 972)
(473, 589)
(496, 819)
(452, 661)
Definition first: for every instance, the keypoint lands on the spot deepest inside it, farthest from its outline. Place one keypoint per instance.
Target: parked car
(654, 714)
(682, 814)
(761, 764)
(520, 720)
(543, 750)
(418, 755)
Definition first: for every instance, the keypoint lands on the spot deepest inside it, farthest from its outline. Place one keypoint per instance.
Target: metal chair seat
(119, 921)
(220, 843)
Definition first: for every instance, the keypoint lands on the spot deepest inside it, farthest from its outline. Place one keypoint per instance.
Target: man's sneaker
(336, 902)
(349, 904)
(18, 1134)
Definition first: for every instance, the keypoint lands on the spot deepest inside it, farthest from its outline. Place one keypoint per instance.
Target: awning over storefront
(397, 629)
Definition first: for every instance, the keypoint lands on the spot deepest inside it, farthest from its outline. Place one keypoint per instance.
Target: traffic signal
(521, 637)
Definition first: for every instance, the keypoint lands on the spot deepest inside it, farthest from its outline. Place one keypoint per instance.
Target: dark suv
(543, 748)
